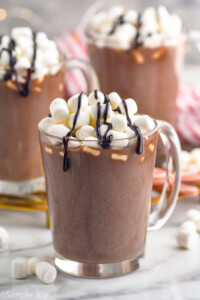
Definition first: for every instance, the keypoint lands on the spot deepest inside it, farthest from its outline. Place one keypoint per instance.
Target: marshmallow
(145, 123)
(23, 63)
(91, 141)
(59, 110)
(119, 122)
(50, 59)
(193, 215)
(153, 41)
(98, 20)
(115, 12)
(103, 107)
(119, 140)
(163, 17)
(74, 142)
(19, 268)
(115, 99)
(119, 40)
(131, 107)
(23, 42)
(5, 41)
(186, 238)
(21, 31)
(33, 261)
(131, 16)
(73, 103)
(92, 100)
(148, 15)
(103, 129)
(129, 132)
(189, 225)
(4, 236)
(83, 119)
(5, 58)
(46, 272)
(127, 29)
(86, 131)
(59, 130)
(176, 26)
(40, 37)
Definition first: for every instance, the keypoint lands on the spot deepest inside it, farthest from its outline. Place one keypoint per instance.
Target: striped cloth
(73, 44)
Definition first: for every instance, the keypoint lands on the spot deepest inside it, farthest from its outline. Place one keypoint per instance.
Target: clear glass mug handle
(172, 148)
(86, 69)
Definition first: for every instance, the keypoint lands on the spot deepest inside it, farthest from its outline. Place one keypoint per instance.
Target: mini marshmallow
(119, 40)
(83, 119)
(23, 42)
(127, 29)
(74, 142)
(50, 59)
(98, 20)
(131, 107)
(22, 63)
(73, 103)
(175, 27)
(131, 16)
(19, 268)
(189, 225)
(119, 122)
(186, 238)
(103, 129)
(40, 37)
(46, 272)
(59, 130)
(115, 99)
(115, 12)
(103, 107)
(86, 131)
(33, 261)
(163, 16)
(129, 132)
(46, 123)
(5, 58)
(4, 236)
(119, 139)
(91, 141)
(153, 41)
(145, 123)
(193, 215)
(5, 41)
(59, 110)
(92, 100)
(21, 31)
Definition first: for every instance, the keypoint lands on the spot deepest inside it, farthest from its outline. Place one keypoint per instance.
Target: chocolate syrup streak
(70, 133)
(25, 89)
(96, 94)
(119, 21)
(136, 42)
(136, 129)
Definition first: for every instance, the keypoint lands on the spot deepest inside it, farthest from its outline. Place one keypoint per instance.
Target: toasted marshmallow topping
(126, 29)
(26, 51)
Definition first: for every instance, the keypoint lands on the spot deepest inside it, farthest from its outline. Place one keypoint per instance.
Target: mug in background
(99, 209)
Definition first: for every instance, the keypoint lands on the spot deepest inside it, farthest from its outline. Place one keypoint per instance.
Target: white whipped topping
(116, 124)
(47, 55)
(118, 28)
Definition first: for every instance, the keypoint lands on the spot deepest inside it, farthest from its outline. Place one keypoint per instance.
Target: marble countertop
(165, 273)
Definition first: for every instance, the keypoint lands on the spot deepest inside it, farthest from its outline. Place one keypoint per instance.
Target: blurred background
(57, 16)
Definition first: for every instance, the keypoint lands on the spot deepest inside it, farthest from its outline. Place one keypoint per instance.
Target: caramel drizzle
(25, 89)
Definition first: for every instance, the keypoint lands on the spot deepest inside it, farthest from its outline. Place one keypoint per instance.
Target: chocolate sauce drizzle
(136, 43)
(119, 21)
(25, 88)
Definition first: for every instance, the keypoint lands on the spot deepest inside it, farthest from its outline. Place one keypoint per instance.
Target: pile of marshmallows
(63, 114)
(47, 54)
(190, 161)
(187, 236)
(156, 27)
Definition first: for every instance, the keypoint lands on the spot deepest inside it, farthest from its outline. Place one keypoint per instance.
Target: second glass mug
(100, 208)
(21, 169)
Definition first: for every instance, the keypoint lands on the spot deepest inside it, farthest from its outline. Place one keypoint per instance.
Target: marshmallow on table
(73, 103)
(193, 215)
(46, 272)
(131, 107)
(83, 119)
(119, 140)
(92, 100)
(189, 225)
(46, 123)
(59, 110)
(59, 130)
(19, 268)
(33, 261)
(119, 122)
(94, 110)
(145, 123)
(86, 131)
(4, 236)
(115, 99)
(187, 238)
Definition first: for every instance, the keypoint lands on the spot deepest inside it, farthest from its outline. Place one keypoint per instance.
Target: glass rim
(78, 140)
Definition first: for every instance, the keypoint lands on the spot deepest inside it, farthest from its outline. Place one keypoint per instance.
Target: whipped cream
(126, 29)
(25, 50)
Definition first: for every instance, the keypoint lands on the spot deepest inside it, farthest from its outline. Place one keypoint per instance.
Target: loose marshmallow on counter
(131, 107)
(59, 130)
(186, 238)
(103, 107)
(19, 268)
(83, 119)
(46, 272)
(33, 261)
(119, 122)
(85, 132)
(193, 215)
(188, 225)
(73, 103)
(4, 236)
(92, 100)
(145, 123)
(59, 110)
(115, 99)
(119, 139)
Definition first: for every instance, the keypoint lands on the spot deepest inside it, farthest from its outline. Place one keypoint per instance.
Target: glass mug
(21, 169)
(100, 208)
(150, 76)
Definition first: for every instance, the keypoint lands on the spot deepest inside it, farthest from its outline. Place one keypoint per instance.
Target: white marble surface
(165, 273)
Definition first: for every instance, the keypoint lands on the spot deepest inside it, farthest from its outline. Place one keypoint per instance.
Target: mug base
(95, 270)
